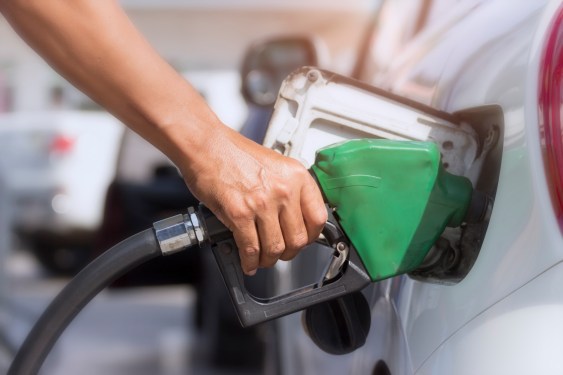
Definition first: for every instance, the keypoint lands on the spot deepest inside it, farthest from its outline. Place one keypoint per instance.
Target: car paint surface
(504, 317)
(492, 69)
(498, 65)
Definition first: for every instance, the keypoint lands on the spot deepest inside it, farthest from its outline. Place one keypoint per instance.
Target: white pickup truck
(57, 167)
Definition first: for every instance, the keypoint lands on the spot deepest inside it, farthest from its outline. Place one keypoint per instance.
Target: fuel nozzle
(392, 199)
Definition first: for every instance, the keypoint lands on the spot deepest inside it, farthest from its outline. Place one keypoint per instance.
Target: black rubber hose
(82, 288)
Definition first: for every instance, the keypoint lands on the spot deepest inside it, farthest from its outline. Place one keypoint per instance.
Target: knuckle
(260, 201)
(276, 249)
(315, 226)
(319, 218)
(251, 251)
(256, 201)
(284, 193)
(239, 213)
(297, 241)
(297, 167)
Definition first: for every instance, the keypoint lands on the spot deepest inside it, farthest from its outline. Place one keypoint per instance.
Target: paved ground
(138, 331)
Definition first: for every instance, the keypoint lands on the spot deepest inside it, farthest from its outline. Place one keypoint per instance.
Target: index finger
(313, 209)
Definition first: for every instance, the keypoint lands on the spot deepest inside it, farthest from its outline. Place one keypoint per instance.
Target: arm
(270, 202)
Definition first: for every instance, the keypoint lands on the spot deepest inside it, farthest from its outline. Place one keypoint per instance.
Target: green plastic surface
(393, 199)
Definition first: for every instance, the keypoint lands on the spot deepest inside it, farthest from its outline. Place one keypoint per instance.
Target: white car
(57, 167)
(492, 303)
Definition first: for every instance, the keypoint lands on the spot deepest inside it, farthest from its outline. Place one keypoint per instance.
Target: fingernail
(251, 273)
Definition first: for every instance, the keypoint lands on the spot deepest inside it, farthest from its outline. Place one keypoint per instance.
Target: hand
(270, 202)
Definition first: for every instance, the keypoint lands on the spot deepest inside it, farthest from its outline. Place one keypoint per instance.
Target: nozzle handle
(252, 310)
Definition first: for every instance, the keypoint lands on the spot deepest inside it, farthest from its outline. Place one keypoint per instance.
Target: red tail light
(551, 111)
(61, 144)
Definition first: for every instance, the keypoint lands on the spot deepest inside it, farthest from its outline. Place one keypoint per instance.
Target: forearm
(93, 44)
(270, 202)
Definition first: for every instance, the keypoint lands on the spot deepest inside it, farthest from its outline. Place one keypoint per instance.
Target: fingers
(272, 244)
(294, 232)
(260, 243)
(246, 237)
(270, 202)
(304, 224)
(281, 237)
(259, 239)
(313, 209)
(280, 228)
(269, 239)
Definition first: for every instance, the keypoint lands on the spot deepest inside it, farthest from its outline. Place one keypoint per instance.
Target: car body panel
(520, 222)
(521, 334)
(471, 54)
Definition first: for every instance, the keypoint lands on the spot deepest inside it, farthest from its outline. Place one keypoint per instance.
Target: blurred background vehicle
(57, 208)
(489, 302)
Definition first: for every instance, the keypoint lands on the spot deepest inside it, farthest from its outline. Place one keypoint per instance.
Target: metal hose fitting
(178, 232)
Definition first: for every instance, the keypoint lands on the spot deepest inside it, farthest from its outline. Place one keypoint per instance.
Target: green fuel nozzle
(392, 199)
(388, 203)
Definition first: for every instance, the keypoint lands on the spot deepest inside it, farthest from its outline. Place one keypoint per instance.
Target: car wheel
(61, 260)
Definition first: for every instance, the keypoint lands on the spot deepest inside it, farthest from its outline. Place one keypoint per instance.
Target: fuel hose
(168, 236)
(115, 262)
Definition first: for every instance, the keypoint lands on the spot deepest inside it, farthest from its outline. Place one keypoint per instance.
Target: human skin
(270, 202)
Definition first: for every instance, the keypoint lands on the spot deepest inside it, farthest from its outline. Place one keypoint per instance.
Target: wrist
(191, 142)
